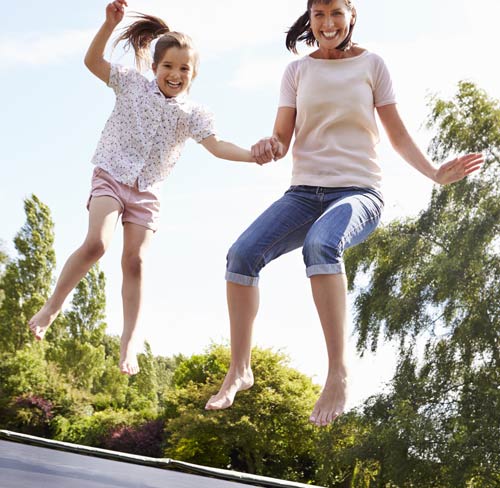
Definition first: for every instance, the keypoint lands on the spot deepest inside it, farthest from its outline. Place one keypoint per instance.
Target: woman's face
(330, 23)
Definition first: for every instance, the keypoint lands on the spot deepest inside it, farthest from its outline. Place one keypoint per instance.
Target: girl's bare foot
(331, 402)
(233, 383)
(128, 358)
(41, 321)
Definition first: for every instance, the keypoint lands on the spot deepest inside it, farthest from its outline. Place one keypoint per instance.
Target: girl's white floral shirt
(143, 138)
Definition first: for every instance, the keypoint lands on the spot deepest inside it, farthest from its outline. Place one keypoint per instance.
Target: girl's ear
(153, 67)
(353, 17)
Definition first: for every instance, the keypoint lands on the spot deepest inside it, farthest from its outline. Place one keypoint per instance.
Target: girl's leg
(136, 239)
(280, 229)
(103, 215)
(348, 221)
(243, 304)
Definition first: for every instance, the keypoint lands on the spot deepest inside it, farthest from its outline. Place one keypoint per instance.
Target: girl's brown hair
(141, 33)
(301, 30)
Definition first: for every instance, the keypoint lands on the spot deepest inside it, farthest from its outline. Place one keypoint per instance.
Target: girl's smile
(174, 72)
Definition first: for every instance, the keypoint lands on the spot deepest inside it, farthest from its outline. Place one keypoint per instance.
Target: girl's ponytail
(300, 31)
(140, 35)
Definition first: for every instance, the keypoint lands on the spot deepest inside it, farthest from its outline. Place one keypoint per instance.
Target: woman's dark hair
(301, 30)
(141, 33)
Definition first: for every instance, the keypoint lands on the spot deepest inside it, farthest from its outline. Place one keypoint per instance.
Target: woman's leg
(103, 215)
(330, 298)
(347, 221)
(136, 239)
(243, 304)
(280, 229)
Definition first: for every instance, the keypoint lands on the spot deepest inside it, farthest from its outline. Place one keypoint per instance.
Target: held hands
(458, 168)
(115, 12)
(268, 149)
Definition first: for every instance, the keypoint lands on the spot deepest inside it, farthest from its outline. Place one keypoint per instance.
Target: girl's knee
(94, 249)
(132, 264)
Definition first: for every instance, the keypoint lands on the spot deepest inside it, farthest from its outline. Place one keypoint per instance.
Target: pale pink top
(335, 131)
(143, 137)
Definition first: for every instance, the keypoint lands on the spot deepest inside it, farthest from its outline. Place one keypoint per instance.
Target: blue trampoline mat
(27, 461)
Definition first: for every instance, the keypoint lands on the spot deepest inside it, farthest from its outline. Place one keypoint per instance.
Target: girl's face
(174, 72)
(330, 23)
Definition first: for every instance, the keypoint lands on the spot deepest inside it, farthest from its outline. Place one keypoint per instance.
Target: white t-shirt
(143, 138)
(335, 130)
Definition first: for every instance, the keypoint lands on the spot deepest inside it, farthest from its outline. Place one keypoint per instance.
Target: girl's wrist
(110, 25)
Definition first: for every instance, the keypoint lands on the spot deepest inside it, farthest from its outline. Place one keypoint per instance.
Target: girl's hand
(458, 168)
(267, 149)
(115, 12)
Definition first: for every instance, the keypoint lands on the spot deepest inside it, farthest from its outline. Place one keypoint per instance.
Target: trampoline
(27, 461)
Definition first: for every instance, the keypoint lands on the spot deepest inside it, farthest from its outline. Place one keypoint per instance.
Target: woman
(328, 99)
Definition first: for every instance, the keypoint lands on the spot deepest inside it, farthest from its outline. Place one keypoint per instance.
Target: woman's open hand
(458, 168)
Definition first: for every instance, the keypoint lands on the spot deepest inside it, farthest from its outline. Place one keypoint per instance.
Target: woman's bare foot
(41, 321)
(331, 402)
(128, 358)
(233, 383)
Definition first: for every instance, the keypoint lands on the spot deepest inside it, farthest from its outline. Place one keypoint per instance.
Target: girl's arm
(94, 59)
(276, 146)
(226, 150)
(401, 141)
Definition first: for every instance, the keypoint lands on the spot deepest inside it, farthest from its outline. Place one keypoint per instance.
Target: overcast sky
(53, 111)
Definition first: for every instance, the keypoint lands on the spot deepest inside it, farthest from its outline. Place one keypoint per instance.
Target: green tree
(435, 280)
(265, 432)
(3, 262)
(27, 279)
(79, 348)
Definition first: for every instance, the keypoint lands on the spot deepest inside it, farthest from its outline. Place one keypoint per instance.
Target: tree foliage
(27, 279)
(434, 282)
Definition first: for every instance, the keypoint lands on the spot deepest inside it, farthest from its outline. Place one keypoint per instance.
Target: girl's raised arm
(94, 59)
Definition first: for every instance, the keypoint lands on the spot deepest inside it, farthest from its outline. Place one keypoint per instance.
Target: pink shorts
(137, 207)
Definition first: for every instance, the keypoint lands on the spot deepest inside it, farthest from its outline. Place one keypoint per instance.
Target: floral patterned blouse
(143, 138)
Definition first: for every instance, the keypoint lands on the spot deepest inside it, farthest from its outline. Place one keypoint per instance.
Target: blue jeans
(324, 221)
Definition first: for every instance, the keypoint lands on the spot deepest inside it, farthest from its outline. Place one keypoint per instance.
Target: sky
(53, 111)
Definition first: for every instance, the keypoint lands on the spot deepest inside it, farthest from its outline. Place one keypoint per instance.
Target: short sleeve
(288, 91)
(383, 91)
(201, 124)
(120, 77)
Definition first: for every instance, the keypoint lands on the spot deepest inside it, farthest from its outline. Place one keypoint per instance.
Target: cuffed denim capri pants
(323, 221)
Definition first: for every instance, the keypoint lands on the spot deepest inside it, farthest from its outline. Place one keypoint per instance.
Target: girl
(328, 99)
(139, 146)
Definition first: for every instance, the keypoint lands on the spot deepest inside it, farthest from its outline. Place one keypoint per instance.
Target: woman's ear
(153, 67)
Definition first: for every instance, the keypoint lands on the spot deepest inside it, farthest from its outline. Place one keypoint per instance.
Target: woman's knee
(319, 249)
(243, 259)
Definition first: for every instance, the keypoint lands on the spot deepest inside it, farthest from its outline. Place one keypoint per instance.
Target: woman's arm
(402, 142)
(226, 150)
(276, 146)
(94, 59)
